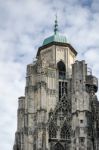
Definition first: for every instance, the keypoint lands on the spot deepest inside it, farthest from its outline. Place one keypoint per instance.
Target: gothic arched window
(52, 131)
(61, 70)
(62, 76)
(58, 146)
(65, 132)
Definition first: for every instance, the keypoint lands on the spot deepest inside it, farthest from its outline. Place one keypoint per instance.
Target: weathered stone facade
(60, 110)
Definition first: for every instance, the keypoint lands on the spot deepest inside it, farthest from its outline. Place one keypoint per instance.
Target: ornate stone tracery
(60, 121)
(52, 130)
(65, 131)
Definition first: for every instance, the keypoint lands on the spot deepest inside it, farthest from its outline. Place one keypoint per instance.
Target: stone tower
(60, 110)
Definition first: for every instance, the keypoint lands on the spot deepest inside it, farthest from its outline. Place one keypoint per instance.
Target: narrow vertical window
(62, 79)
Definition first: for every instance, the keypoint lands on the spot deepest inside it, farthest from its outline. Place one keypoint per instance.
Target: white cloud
(23, 26)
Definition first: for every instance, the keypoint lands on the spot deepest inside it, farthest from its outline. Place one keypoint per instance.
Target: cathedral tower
(60, 110)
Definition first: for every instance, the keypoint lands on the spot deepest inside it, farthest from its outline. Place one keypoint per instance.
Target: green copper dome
(56, 37)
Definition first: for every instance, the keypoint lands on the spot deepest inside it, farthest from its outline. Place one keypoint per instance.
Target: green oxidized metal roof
(56, 37)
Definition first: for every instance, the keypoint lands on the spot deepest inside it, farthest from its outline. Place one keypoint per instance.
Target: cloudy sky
(23, 26)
